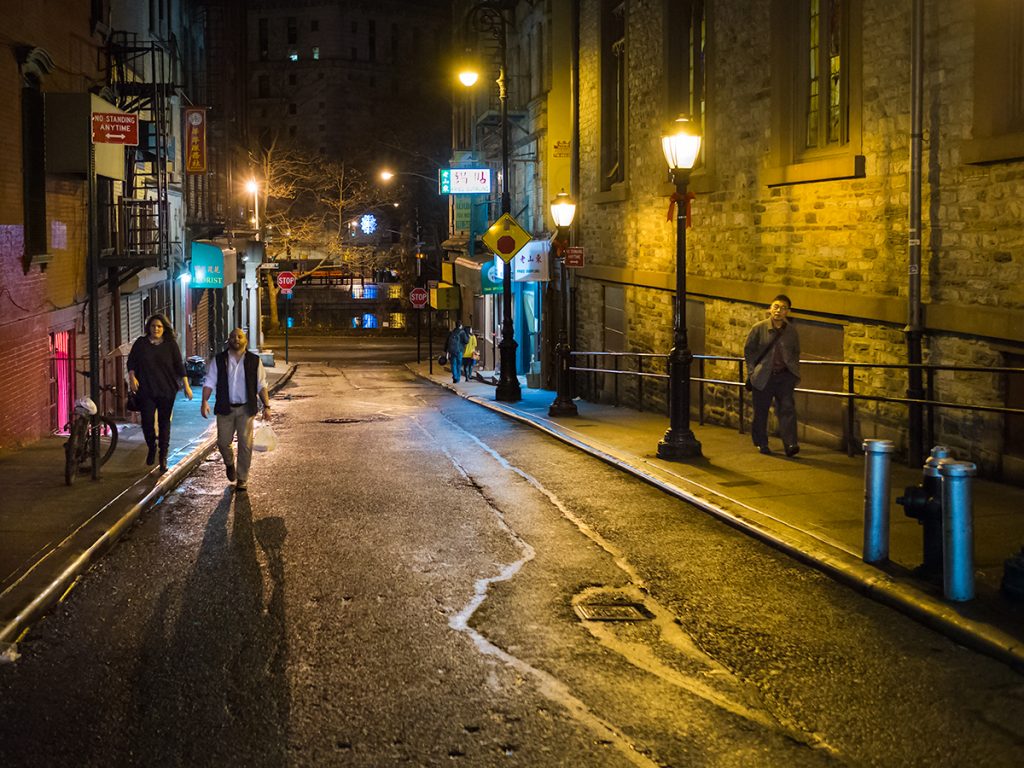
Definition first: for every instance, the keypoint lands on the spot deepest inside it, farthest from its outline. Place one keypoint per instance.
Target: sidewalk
(810, 506)
(51, 533)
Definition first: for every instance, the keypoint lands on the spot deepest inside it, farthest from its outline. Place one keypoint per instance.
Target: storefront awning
(144, 279)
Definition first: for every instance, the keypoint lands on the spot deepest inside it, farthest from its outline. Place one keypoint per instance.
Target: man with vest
(240, 381)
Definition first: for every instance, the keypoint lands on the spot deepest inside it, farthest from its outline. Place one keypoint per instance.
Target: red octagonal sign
(418, 297)
(285, 280)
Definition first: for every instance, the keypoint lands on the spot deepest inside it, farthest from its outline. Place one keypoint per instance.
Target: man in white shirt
(240, 381)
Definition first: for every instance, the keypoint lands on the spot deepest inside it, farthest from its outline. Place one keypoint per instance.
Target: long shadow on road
(214, 690)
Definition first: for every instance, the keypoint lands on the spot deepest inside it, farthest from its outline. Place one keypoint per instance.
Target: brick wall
(34, 302)
(838, 247)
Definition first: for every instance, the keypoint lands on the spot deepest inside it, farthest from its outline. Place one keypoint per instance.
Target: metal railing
(591, 367)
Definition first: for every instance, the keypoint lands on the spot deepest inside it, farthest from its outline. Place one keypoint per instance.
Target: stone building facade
(803, 188)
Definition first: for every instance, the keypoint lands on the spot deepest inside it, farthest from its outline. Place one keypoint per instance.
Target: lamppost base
(679, 447)
(508, 392)
(562, 407)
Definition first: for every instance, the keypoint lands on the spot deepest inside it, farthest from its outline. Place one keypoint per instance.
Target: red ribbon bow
(676, 197)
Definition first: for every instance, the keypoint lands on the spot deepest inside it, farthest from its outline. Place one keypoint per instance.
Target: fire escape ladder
(142, 77)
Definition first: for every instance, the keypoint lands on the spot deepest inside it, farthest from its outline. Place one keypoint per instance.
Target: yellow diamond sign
(506, 238)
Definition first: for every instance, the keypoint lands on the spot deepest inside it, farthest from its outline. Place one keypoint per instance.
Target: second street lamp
(681, 146)
(253, 188)
(563, 210)
(489, 17)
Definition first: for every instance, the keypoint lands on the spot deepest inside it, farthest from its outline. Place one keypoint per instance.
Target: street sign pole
(287, 322)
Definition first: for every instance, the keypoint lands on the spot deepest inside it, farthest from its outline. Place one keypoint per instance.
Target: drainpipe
(915, 387)
(574, 174)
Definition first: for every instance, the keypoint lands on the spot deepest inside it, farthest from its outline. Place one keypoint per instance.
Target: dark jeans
(780, 390)
(161, 407)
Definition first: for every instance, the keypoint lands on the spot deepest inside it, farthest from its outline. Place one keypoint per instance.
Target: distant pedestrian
(240, 381)
(469, 354)
(455, 345)
(155, 374)
(772, 353)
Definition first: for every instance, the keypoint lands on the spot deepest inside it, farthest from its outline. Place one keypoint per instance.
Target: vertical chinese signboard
(195, 140)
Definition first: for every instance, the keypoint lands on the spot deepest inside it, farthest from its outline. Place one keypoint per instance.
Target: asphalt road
(404, 583)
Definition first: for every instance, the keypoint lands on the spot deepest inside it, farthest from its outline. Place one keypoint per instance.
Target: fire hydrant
(924, 503)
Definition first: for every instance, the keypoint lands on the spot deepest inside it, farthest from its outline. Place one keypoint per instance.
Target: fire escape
(141, 78)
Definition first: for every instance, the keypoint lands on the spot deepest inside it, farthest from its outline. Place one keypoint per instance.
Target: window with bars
(824, 81)
(816, 93)
(613, 93)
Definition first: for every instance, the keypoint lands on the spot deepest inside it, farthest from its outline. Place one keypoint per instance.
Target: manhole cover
(356, 419)
(612, 612)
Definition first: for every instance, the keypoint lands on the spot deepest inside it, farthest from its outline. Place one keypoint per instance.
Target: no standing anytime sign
(115, 128)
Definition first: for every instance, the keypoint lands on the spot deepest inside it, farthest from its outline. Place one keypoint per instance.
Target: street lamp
(489, 17)
(387, 175)
(254, 189)
(681, 146)
(563, 209)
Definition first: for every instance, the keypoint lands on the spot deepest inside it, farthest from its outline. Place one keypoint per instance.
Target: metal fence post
(957, 529)
(877, 462)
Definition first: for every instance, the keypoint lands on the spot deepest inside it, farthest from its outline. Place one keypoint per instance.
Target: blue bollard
(957, 529)
(877, 456)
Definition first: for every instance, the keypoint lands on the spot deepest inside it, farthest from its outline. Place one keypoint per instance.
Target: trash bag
(264, 438)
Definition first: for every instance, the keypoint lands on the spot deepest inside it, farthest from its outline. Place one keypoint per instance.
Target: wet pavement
(810, 506)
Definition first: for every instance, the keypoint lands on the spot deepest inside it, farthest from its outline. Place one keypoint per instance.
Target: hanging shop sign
(530, 264)
(491, 274)
(207, 266)
(195, 140)
(464, 181)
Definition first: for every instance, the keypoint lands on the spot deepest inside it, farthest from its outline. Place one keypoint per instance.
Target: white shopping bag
(264, 438)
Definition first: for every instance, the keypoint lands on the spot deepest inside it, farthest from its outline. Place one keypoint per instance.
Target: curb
(832, 562)
(11, 630)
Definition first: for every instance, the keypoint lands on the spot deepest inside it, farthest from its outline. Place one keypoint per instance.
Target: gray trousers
(780, 389)
(228, 425)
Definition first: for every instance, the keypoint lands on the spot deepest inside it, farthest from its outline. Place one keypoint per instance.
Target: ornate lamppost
(563, 209)
(489, 18)
(681, 146)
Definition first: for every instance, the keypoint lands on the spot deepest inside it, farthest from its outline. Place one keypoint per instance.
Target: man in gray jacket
(772, 353)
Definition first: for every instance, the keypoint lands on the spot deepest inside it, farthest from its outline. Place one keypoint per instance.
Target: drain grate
(739, 483)
(356, 419)
(612, 612)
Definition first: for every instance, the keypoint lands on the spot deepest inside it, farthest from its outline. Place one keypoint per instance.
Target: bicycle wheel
(73, 452)
(108, 438)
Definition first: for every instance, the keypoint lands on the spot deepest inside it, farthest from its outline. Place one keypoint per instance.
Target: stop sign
(285, 280)
(418, 297)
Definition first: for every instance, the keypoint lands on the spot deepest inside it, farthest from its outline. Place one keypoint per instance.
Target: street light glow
(387, 175)
(468, 77)
(681, 145)
(563, 209)
(252, 187)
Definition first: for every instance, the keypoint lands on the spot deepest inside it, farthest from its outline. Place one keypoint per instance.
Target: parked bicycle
(78, 449)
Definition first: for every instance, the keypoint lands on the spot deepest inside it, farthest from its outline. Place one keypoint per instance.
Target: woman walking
(155, 373)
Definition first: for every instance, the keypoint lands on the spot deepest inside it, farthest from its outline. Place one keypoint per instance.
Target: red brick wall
(35, 302)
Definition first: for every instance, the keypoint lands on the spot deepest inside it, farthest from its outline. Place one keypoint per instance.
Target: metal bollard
(877, 457)
(924, 503)
(957, 529)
